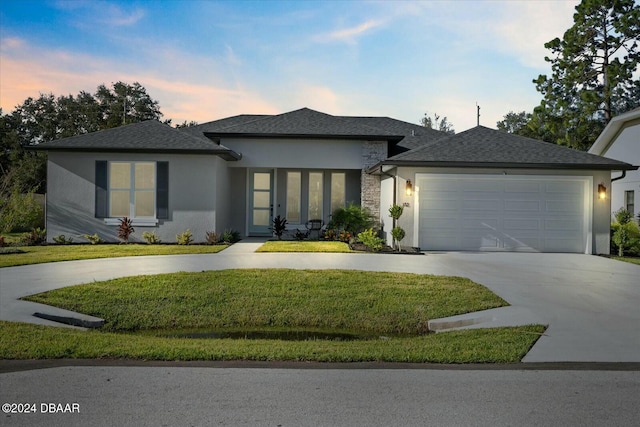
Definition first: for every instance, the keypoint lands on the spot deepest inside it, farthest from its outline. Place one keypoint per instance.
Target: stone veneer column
(372, 153)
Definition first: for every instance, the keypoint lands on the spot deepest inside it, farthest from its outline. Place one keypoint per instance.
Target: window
(315, 195)
(337, 190)
(294, 190)
(133, 189)
(629, 201)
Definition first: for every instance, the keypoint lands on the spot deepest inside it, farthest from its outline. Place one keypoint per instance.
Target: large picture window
(294, 190)
(132, 189)
(337, 190)
(139, 190)
(315, 195)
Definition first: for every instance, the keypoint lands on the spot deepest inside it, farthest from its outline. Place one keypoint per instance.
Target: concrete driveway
(591, 304)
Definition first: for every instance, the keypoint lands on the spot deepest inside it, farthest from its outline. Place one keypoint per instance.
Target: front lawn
(303, 246)
(54, 253)
(632, 260)
(389, 310)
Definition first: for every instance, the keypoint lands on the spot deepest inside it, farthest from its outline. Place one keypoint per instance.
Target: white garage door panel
(510, 213)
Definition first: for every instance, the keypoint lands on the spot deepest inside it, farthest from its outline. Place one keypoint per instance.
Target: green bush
(230, 236)
(185, 238)
(20, 212)
(626, 238)
(94, 239)
(62, 240)
(398, 234)
(36, 236)
(353, 219)
(151, 237)
(370, 239)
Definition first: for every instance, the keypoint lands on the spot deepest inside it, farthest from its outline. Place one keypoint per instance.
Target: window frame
(631, 193)
(136, 220)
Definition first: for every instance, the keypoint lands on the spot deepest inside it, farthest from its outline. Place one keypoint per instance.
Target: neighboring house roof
(303, 123)
(147, 136)
(613, 129)
(484, 147)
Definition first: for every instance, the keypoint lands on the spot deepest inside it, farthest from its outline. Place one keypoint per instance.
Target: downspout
(395, 190)
(624, 174)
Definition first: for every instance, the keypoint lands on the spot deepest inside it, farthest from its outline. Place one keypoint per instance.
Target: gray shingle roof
(147, 136)
(303, 123)
(484, 147)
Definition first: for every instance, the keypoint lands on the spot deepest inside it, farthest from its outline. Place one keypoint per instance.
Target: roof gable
(613, 129)
(484, 147)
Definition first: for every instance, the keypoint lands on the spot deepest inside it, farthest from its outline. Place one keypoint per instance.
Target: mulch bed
(406, 250)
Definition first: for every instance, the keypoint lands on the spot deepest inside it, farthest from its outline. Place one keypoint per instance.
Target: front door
(260, 202)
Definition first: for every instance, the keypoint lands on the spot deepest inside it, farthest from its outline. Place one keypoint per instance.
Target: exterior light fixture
(602, 192)
(409, 188)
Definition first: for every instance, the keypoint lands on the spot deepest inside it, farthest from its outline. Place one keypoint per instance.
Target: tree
(435, 123)
(593, 68)
(47, 118)
(515, 122)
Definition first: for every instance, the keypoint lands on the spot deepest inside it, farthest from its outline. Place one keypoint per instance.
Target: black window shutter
(162, 190)
(102, 198)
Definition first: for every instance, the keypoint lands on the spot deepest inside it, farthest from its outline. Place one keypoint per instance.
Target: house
(620, 140)
(478, 190)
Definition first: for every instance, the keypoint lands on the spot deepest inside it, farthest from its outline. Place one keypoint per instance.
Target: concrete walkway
(590, 303)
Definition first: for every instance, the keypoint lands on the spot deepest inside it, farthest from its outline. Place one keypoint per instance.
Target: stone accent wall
(372, 153)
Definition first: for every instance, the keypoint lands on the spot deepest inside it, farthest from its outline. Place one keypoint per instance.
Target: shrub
(63, 240)
(185, 238)
(213, 238)
(398, 234)
(125, 229)
(370, 239)
(151, 237)
(395, 211)
(3, 243)
(230, 236)
(352, 218)
(94, 239)
(279, 226)
(20, 212)
(303, 234)
(36, 236)
(625, 233)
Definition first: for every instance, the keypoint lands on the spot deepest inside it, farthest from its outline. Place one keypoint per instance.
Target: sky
(206, 60)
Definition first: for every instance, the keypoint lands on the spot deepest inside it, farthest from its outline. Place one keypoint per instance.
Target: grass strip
(360, 302)
(306, 246)
(55, 253)
(498, 345)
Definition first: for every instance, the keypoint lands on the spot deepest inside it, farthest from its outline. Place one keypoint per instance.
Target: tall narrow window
(294, 187)
(132, 189)
(337, 190)
(315, 195)
(629, 201)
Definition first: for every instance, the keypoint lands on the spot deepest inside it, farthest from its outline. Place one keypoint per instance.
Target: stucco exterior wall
(296, 153)
(626, 148)
(600, 220)
(197, 195)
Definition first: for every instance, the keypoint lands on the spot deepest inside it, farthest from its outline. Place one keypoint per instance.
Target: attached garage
(487, 190)
(503, 213)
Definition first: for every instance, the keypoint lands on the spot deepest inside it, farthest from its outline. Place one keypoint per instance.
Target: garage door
(502, 213)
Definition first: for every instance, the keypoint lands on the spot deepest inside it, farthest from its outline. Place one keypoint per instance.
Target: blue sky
(204, 60)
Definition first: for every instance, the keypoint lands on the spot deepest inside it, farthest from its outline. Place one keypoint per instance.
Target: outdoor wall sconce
(409, 188)
(602, 192)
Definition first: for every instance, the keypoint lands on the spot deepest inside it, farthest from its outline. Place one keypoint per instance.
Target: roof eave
(217, 136)
(229, 155)
(505, 165)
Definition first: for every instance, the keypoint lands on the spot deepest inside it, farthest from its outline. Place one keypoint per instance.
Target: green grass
(391, 308)
(305, 246)
(632, 260)
(340, 300)
(55, 253)
(499, 345)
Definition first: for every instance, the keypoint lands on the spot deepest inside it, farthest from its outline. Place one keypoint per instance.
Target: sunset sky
(204, 60)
